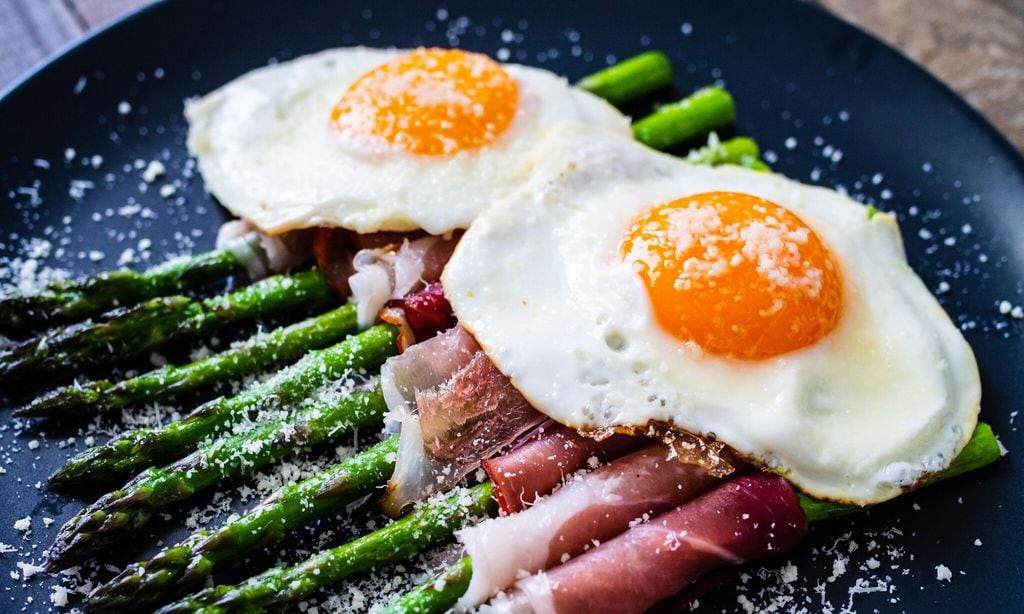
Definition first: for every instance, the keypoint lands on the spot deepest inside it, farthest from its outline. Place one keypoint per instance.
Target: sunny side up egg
(624, 288)
(370, 140)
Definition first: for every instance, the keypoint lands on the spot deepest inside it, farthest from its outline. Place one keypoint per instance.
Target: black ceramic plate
(830, 105)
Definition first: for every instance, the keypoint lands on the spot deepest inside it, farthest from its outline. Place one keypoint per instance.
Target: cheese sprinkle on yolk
(432, 102)
(737, 275)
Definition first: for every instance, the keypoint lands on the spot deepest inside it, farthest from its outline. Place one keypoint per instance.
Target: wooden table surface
(976, 46)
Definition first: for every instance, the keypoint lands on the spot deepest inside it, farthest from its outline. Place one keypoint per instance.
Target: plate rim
(1001, 147)
(63, 51)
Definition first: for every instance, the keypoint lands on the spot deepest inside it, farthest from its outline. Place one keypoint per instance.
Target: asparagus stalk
(739, 151)
(440, 594)
(186, 566)
(82, 298)
(278, 346)
(630, 79)
(118, 514)
(139, 329)
(701, 112)
(426, 526)
(125, 455)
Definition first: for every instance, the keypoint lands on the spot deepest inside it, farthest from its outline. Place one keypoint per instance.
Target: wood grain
(29, 31)
(98, 12)
(976, 46)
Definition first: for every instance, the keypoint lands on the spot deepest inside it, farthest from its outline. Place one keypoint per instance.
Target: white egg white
(888, 397)
(267, 153)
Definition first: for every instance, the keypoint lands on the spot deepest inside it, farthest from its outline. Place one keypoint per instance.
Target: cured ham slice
(261, 254)
(420, 315)
(588, 510)
(428, 311)
(384, 274)
(474, 414)
(424, 366)
(750, 517)
(333, 249)
(455, 409)
(546, 460)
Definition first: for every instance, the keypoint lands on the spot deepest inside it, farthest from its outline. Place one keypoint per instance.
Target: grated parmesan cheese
(154, 169)
(59, 596)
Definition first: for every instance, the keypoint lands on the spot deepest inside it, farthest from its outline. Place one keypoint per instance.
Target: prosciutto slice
(589, 509)
(333, 249)
(455, 409)
(420, 315)
(424, 366)
(383, 274)
(262, 254)
(750, 517)
(546, 460)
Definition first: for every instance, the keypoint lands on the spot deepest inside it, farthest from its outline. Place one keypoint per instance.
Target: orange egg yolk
(738, 275)
(430, 102)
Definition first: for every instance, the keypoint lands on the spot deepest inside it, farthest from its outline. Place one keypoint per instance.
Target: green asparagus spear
(440, 594)
(82, 298)
(631, 78)
(430, 524)
(116, 515)
(125, 455)
(699, 113)
(278, 346)
(437, 595)
(132, 331)
(703, 111)
(740, 151)
(185, 567)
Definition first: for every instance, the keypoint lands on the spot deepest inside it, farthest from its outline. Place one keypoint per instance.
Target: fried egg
(371, 140)
(624, 288)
